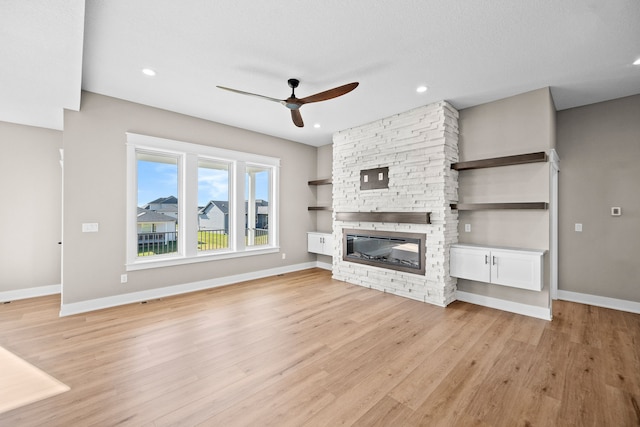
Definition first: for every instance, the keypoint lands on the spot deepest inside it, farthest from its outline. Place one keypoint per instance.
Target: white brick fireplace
(418, 147)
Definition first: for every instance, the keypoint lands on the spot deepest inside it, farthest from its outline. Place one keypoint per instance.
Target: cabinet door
(327, 244)
(470, 263)
(516, 269)
(314, 243)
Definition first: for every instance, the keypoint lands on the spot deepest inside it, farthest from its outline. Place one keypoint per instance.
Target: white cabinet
(517, 268)
(470, 263)
(320, 243)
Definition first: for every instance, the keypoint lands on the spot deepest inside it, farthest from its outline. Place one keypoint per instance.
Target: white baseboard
(151, 294)
(598, 301)
(39, 291)
(324, 265)
(510, 306)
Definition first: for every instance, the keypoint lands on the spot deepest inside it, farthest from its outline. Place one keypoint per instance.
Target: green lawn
(159, 249)
(210, 241)
(206, 242)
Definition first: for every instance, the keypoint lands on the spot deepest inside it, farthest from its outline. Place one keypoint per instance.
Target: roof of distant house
(171, 200)
(145, 215)
(220, 204)
(170, 208)
(259, 203)
(262, 205)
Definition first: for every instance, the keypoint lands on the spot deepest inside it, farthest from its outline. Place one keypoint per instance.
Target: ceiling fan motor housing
(293, 83)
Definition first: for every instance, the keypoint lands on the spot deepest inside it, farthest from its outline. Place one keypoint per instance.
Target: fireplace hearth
(393, 250)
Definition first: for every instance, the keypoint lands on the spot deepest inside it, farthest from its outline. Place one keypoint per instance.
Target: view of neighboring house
(262, 214)
(214, 216)
(164, 205)
(155, 227)
(161, 215)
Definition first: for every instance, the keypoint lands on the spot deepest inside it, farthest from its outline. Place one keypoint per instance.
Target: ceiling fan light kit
(293, 103)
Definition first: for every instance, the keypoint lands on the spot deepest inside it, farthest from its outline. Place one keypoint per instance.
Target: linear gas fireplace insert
(386, 249)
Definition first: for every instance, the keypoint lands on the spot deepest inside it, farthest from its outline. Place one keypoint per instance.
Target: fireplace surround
(414, 150)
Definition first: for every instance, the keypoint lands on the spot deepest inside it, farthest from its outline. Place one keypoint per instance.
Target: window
(190, 203)
(214, 210)
(257, 184)
(157, 215)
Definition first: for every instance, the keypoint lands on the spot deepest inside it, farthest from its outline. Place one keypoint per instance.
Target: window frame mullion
(188, 224)
(238, 204)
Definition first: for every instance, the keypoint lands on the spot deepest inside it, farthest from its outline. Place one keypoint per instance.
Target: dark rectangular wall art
(373, 179)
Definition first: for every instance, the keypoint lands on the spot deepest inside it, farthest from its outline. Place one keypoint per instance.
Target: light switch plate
(89, 227)
(616, 211)
(578, 227)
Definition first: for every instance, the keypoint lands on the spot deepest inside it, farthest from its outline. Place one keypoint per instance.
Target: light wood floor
(302, 349)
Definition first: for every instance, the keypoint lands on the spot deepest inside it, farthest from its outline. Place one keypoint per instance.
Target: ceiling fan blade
(297, 118)
(329, 94)
(268, 98)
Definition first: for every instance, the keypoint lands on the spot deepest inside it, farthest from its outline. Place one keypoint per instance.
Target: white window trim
(188, 155)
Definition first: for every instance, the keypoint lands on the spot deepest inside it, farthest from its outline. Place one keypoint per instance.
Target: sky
(157, 180)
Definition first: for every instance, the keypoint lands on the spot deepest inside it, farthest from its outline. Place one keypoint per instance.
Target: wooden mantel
(393, 217)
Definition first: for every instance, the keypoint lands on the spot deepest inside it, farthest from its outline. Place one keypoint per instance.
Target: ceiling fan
(294, 104)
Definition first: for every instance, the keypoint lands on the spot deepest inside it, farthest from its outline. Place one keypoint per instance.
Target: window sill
(180, 260)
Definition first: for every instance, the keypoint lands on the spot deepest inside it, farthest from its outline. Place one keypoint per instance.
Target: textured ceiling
(466, 52)
(40, 60)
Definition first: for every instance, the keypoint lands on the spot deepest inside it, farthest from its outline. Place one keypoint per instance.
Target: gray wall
(520, 124)
(323, 194)
(31, 219)
(599, 148)
(95, 185)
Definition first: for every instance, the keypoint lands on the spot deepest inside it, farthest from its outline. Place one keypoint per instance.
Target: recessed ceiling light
(636, 62)
(148, 72)
(317, 126)
(421, 89)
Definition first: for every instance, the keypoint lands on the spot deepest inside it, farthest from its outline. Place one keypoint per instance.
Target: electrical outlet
(123, 278)
(284, 256)
(467, 228)
(578, 227)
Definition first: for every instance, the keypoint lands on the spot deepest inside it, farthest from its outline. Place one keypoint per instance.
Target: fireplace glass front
(393, 250)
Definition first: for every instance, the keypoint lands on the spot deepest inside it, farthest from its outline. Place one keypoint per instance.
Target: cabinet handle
(486, 259)
(493, 258)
